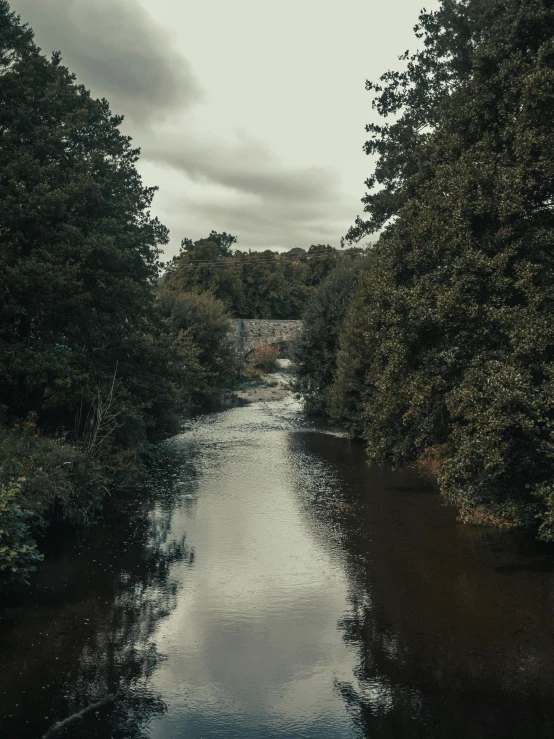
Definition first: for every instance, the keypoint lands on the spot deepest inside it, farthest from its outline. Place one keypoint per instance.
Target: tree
(458, 340)
(322, 259)
(273, 286)
(200, 325)
(79, 247)
(315, 351)
(259, 284)
(206, 266)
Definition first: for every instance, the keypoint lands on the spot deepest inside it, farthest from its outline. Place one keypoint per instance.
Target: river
(268, 583)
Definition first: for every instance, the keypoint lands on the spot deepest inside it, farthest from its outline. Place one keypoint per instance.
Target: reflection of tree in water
(379, 704)
(85, 631)
(444, 645)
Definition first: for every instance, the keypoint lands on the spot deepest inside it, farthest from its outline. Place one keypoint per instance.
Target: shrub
(42, 478)
(199, 324)
(501, 446)
(57, 478)
(264, 357)
(18, 549)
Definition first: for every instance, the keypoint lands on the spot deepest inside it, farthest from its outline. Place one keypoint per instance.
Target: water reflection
(267, 583)
(253, 645)
(85, 630)
(452, 624)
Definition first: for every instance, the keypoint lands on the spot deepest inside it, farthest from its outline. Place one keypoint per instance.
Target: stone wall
(249, 332)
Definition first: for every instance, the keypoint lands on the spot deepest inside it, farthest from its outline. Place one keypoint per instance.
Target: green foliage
(79, 247)
(18, 550)
(315, 350)
(79, 259)
(255, 284)
(449, 342)
(200, 327)
(41, 478)
(203, 267)
(57, 478)
(264, 357)
(503, 436)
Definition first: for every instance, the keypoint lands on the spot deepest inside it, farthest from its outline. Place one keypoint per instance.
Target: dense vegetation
(437, 344)
(315, 351)
(446, 348)
(92, 364)
(262, 284)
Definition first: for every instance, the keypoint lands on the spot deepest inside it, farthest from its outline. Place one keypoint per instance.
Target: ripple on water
(269, 584)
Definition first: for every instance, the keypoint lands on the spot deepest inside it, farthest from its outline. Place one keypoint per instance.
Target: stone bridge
(249, 332)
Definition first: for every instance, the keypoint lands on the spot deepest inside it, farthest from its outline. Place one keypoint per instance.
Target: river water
(267, 583)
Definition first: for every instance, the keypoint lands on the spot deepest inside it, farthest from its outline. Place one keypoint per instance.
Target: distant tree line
(261, 284)
(438, 345)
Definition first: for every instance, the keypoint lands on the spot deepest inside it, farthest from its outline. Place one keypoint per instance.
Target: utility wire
(238, 259)
(231, 261)
(270, 257)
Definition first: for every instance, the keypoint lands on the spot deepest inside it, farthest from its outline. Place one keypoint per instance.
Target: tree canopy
(315, 350)
(261, 284)
(449, 343)
(79, 246)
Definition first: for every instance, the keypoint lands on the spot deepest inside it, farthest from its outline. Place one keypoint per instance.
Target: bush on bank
(42, 478)
(448, 343)
(201, 320)
(264, 357)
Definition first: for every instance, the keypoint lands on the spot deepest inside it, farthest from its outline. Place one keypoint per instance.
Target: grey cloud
(235, 184)
(267, 224)
(246, 166)
(117, 50)
(275, 226)
(250, 192)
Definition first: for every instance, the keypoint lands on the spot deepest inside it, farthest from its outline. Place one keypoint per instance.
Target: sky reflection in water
(270, 584)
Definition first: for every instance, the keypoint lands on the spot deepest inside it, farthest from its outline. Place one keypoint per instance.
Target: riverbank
(273, 386)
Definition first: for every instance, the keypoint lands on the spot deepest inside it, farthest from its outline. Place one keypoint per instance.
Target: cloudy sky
(250, 114)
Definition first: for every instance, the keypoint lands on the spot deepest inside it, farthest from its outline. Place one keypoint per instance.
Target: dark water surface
(271, 585)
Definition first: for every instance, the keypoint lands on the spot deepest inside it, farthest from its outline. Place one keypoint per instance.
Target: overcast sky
(250, 114)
